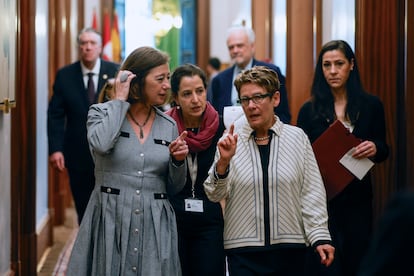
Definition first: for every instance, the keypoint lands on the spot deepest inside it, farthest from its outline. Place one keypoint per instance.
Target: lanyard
(192, 167)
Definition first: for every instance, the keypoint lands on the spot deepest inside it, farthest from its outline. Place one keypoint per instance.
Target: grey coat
(129, 227)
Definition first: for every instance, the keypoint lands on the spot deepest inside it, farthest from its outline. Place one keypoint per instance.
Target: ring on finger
(124, 76)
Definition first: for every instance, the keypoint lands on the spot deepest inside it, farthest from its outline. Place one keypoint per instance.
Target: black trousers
(81, 185)
(350, 224)
(280, 261)
(202, 252)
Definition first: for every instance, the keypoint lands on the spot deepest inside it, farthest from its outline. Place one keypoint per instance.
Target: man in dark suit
(240, 43)
(67, 115)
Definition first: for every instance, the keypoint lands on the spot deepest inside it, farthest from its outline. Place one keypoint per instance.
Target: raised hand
(122, 84)
(227, 147)
(178, 147)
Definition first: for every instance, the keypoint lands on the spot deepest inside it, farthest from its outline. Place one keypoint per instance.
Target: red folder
(329, 148)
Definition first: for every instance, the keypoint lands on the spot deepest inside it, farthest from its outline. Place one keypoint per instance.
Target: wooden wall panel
(300, 53)
(203, 33)
(60, 43)
(262, 26)
(378, 52)
(23, 147)
(318, 28)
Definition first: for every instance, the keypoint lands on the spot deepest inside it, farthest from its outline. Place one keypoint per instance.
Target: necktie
(91, 88)
(234, 94)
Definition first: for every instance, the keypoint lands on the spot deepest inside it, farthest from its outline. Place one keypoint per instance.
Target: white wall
(279, 34)
(74, 26)
(41, 112)
(338, 21)
(138, 25)
(5, 169)
(8, 28)
(90, 7)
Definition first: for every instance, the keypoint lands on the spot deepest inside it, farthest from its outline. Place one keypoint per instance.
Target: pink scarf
(202, 140)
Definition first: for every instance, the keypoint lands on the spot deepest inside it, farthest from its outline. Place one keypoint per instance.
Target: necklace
(141, 131)
(261, 138)
(193, 129)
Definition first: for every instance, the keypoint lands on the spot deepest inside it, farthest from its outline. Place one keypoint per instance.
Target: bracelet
(176, 162)
(221, 176)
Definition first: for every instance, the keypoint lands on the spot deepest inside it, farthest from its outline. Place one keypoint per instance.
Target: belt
(114, 191)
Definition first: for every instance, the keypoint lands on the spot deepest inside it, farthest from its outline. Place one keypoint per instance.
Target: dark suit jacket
(370, 125)
(222, 85)
(67, 114)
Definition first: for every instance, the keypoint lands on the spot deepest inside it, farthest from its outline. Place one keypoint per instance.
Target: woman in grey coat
(129, 227)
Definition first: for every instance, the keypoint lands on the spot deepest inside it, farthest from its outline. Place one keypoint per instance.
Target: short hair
(215, 63)
(140, 62)
(260, 75)
(90, 30)
(247, 30)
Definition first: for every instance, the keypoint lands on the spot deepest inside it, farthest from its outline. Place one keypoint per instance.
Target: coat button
(108, 190)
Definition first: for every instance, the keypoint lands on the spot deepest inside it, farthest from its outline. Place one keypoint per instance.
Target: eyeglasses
(257, 99)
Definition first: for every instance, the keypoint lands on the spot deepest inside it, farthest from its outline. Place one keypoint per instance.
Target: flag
(115, 39)
(106, 37)
(94, 20)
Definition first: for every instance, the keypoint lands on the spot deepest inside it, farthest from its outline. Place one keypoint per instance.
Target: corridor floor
(53, 261)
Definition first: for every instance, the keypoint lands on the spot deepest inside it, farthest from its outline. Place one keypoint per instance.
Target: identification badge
(193, 205)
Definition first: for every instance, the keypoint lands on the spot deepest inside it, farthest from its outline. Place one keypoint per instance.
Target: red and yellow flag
(106, 36)
(94, 20)
(115, 39)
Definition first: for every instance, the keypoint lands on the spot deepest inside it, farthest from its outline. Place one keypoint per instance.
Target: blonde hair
(106, 91)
